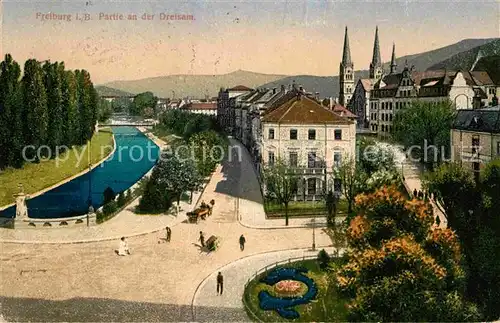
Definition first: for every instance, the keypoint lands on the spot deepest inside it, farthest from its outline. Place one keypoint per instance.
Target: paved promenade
(206, 302)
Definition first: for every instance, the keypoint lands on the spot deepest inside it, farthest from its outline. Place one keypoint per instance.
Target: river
(134, 156)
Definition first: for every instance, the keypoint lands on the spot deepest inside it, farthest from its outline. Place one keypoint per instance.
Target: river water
(134, 156)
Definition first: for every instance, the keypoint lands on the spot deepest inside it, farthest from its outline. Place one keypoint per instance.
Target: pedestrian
(420, 195)
(242, 242)
(415, 193)
(169, 234)
(123, 250)
(220, 283)
(202, 239)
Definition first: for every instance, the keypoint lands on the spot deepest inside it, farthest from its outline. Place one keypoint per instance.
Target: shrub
(154, 200)
(109, 195)
(121, 199)
(323, 259)
(109, 208)
(128, 195)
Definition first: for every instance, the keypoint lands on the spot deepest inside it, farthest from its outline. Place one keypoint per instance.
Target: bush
(323, 259)
(154, 200)
(99, 216)
(128, 195)
(109, 195)
(121, 199)
(109, 208)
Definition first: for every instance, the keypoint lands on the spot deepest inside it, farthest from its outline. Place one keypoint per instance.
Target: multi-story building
(311, 138)
(226, 102)
(208, 108)
(394, 92)
(475, 137)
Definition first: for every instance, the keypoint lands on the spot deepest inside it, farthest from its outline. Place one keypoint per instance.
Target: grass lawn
(36, 177)
(298, 207)
(164, 133)
(327, 307)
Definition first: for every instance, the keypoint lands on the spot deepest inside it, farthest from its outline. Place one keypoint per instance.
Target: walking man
(415, 193)
(202, 239)
(169, 234)
(242, 243)
(220, 283)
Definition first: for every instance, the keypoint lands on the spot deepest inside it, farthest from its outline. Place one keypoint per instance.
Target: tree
(143, 101)
(374, 156)
(121, 199)
(121, 104)
(104, 109)
(331, 207)
(87, 105)
(281, 183)
(208, 150)
(352, 178)
(176, 175)
(35, 116)
(53, 82)
(154, 199)
(108, 195)
(425, 124)
(398, 267)
(71, 122)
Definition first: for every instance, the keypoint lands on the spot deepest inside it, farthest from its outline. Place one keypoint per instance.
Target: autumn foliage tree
(400, 268)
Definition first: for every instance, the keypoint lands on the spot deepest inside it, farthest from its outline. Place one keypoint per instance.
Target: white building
(311, 138)
(209, 108)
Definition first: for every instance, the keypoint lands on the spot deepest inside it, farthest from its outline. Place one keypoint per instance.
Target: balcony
(308, 171)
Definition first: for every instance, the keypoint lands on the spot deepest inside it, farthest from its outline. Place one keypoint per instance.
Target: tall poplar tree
(52, 81)
(35, 117)
(71, 122)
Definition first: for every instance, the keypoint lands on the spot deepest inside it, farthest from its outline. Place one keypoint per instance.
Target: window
(293, 159)
(338, 134)
(337, 159)
(293, 134)
(311, 186)
(312, 134)
(492, 90)
(311, 159)
(271, 158)
(390, 117)
(337, 185)
(390, 105)
(271, 134)
(475, 144)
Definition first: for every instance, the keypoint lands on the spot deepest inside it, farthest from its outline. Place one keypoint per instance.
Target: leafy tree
(11, 136)
(176, 175)
(374, 157)
(399, 268)
(52, 81)
(352, 178)
(331, 207)
(35, 116)
(128, 195)
(109, 208)
(121, 199)
(281, 183)
(154, 199)
(87, 105)
(425, 124)
(208, 149)
(104, 109)
(323, 259)
(121, 104)
(71, 122)
(109, 195)
(143, 101)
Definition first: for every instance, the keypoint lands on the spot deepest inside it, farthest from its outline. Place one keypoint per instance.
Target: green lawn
(305, 207)
(327, 307)
(36, 177)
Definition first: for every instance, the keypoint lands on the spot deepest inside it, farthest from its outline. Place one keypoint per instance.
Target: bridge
(131, 124)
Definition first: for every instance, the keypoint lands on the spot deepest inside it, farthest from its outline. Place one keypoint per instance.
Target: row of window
(383, 128)
(311, 185)
(312, 159)
(311, 134)
(388, 105)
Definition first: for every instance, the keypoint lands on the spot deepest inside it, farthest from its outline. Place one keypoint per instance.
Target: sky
(275, 37)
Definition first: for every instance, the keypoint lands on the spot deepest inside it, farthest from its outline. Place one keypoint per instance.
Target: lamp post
(314, 234)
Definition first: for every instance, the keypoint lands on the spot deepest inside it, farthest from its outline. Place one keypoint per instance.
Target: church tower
(376, 64)
(346, 74)
(393, 59)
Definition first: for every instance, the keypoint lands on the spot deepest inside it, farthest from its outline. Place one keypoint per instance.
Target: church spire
(393, 59)
(346, 55)
(376, 61)
(376, 64)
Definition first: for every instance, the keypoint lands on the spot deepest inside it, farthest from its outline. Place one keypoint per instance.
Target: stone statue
(21, 208)
(96, 130)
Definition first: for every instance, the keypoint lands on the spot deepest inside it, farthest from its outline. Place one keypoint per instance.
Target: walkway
(412, 172)
(206, 302)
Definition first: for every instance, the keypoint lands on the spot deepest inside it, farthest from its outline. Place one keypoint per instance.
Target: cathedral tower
(376, 64)
(346, 73)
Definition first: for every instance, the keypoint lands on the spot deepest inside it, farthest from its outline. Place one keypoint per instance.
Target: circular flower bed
(289, 288)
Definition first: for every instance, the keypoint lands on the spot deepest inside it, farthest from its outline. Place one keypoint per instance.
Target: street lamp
(314, 234)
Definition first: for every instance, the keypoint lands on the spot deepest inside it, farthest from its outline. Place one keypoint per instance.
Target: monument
(21, 208)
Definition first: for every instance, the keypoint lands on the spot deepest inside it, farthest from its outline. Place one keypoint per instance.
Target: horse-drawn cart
(201, 212)
(212, 243)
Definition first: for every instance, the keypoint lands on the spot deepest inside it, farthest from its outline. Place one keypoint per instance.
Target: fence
(264, 270)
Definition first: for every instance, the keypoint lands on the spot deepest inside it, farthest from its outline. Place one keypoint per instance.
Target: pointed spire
(376, 61)
(393, 59)
(346, 55)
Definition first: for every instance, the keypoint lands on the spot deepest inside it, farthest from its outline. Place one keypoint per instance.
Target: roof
(201, 106)
(478, 120)
(346, 53)
(367, 84)
(303, 110)
(343, 111)
(240, 88)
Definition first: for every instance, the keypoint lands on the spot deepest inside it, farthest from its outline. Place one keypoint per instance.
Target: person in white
(124, 249)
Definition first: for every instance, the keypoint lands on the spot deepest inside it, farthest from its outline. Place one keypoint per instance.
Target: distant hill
(467, 60)
(108, 91)
(329, 86)
(196, 86)
(491, 64)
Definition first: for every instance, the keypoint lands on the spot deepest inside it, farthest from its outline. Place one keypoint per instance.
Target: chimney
(316, 96)
(274, 90)
(301, 89)
(294, 86)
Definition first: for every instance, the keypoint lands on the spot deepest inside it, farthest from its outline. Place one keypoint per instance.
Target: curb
(204, 281)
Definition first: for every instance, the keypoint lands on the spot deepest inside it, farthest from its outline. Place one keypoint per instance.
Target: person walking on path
(415, 193)
(220, 283)
(124, 249)
(169, 234)
(202, 239)
(242, 242)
